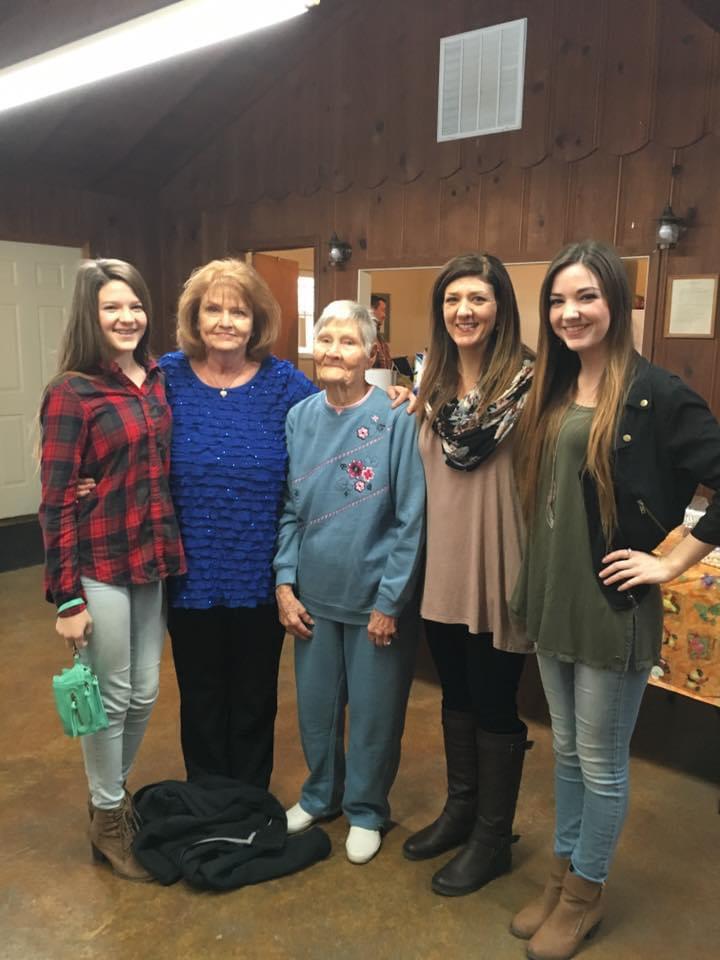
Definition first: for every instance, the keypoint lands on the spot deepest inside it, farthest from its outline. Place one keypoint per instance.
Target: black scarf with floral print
(469, 437)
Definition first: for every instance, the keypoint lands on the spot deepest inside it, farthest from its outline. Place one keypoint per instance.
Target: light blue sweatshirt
(353, 526)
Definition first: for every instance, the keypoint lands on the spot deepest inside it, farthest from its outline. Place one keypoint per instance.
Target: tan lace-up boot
(111, 837)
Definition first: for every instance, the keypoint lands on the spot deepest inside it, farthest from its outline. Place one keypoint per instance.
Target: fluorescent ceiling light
(179, 28)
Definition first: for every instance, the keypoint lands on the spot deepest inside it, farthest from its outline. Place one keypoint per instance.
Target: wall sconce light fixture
(669, 229)
(339, 251)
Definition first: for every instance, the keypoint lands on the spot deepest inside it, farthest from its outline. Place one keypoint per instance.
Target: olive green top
(557, 595)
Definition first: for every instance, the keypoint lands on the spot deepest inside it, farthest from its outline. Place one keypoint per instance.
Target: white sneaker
(362, 844)
(298, 819)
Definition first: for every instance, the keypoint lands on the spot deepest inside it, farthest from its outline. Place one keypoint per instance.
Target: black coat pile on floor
(219, 834)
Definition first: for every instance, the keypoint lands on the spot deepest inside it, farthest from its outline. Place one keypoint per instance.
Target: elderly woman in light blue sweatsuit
(349, 552)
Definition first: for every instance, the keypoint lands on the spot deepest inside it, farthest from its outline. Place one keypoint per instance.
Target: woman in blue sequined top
(229, 397)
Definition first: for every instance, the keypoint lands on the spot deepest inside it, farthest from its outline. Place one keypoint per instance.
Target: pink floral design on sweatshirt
(363, 433)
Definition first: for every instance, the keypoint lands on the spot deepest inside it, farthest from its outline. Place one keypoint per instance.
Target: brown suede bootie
(532, 916)
(576, 918)
(111, 837)
(126, 799)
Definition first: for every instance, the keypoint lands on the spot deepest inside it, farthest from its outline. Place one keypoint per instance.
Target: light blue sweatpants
(341, 667)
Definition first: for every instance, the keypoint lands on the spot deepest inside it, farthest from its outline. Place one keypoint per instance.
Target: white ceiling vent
(481, 81)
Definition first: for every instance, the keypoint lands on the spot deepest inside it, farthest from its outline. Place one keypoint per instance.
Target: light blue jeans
(338, 668)
(124, 650)
(593, 716)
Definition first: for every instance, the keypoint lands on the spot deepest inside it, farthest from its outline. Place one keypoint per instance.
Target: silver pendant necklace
(223, 389)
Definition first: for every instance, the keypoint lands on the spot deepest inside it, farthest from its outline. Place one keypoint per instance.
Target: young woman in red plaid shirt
(105, 416)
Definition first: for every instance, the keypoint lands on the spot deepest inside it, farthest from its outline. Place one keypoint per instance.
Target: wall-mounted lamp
(339, 252)
(669, 229)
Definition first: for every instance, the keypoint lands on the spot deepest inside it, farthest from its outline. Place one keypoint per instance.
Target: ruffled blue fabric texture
(227, 480)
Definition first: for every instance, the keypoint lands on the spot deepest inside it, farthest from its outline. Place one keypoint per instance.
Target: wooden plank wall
(104, 225)
(622, 112)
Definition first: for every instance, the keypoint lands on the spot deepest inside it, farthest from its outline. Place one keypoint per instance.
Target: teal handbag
(78, 700)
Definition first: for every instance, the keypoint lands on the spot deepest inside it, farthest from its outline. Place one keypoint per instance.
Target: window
(306, 314)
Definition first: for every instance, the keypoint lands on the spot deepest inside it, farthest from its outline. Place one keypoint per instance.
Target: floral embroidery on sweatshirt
(363, 432)
(358, 476)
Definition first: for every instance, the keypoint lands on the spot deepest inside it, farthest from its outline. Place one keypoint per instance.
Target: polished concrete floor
(662, 901)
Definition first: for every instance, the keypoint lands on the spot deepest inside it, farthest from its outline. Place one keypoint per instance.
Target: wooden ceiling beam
(707, 10)
(31, 27)
(136, 131)
(244, 70)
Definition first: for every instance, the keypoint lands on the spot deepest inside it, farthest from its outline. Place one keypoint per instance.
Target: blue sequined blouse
(227, 480)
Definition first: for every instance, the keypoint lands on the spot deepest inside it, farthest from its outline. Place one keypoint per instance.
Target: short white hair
(350, 310)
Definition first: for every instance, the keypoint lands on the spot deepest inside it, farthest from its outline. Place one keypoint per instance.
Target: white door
(36, 287)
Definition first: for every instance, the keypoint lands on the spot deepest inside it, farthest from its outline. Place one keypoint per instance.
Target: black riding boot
(487, 854)
(456, 821)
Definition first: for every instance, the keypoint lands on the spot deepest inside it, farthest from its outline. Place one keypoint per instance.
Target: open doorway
(408, 292)
(290, 274)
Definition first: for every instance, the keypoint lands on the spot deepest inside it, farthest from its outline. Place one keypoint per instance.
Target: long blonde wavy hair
(555, 382)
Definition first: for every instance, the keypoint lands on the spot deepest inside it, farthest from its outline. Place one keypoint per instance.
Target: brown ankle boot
(575, 918)
(534, 914)
(126, 799)
(111, 837)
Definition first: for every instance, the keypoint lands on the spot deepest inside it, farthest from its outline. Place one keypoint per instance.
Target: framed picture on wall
(690, 306)
(380, 304)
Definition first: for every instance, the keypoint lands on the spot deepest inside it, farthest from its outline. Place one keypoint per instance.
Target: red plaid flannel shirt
(124, 532)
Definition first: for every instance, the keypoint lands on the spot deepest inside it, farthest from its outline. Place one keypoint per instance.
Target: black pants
(476, 678)
(226, 661)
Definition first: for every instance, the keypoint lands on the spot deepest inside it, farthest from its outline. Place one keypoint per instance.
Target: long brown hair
(504, 353)
(83, 348)
(556, 372)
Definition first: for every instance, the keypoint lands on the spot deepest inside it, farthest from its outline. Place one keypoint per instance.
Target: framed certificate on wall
(691, 305)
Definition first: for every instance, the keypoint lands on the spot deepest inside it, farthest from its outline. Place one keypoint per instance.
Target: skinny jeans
(124, 651)
(593, 714)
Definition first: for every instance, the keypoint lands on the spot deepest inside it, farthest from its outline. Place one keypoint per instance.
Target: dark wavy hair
(504, 352)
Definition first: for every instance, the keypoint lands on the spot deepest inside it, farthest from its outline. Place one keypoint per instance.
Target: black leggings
(476, 678)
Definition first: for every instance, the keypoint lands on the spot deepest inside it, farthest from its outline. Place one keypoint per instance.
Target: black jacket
(667, 443)
(219, 834)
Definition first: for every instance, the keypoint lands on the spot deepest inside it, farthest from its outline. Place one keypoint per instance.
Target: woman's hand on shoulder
(75, 630)
(382, 628)
(400, 395)
(293, 615)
